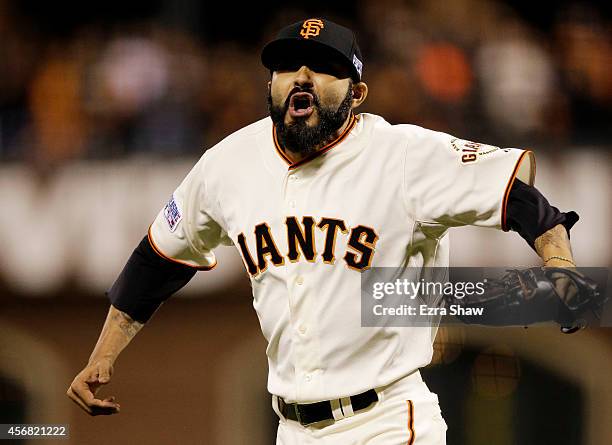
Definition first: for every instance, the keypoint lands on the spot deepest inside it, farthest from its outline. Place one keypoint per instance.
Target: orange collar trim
(318, 153)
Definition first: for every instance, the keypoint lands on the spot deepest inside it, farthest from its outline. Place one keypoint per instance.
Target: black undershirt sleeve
(530, 214)
(147, 280)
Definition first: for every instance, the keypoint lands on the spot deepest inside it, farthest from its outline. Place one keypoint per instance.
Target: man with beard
(312, 197)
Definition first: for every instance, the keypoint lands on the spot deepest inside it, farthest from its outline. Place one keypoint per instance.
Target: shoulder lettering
(471, 151)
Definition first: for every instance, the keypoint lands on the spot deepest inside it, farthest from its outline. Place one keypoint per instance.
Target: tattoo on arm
(554, 238)
(128, 326)
(548, 238)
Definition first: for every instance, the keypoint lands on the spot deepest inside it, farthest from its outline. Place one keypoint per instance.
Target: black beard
(298, 137)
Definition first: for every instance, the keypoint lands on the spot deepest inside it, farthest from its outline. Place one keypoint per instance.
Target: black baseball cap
(315, 42)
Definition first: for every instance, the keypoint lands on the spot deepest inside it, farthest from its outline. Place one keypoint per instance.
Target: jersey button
(308, 377)
(293, 178)
(292, 204)
(302, 329)
(299, 280)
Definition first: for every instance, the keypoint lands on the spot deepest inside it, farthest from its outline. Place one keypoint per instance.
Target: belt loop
(380, 393)
(347, 406)
(336, 409)
(276, 407)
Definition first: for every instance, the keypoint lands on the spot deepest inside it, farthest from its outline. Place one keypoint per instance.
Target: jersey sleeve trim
(161, 254)
(516, 172)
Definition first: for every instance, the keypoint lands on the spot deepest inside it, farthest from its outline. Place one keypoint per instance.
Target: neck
(296, 157)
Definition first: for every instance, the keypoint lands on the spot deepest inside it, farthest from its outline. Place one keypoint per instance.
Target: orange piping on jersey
(411, 422)
(325, 149)
(161, 254)
(509, 186)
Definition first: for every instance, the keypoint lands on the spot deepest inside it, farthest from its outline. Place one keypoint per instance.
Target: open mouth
(301, 105)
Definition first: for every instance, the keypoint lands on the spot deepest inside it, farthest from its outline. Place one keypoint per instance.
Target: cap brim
(281, 50)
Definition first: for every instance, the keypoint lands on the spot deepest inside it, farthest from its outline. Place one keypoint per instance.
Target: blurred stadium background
(105, 106)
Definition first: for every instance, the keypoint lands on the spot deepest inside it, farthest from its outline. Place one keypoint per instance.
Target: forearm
(145, 282)
(553, 245)
(118, 330)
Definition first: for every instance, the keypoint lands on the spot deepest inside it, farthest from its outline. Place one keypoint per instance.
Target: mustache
(298, 89)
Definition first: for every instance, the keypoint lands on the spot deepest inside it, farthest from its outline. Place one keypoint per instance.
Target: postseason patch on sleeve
(173, 214)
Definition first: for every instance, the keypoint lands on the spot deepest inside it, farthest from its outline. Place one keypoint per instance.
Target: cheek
(334, 96)
(332, 90)
(277, 97)
(278, 93)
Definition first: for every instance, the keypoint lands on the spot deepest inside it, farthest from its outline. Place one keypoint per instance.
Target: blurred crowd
(473, 68)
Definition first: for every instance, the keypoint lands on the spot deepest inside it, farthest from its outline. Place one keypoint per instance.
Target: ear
(360, 92)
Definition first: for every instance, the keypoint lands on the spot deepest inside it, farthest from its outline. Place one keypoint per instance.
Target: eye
(332, 68)
(288, 66)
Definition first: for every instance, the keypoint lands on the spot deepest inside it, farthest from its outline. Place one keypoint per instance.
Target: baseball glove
(538, 294)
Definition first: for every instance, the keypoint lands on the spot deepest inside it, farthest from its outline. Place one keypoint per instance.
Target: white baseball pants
(407, 413)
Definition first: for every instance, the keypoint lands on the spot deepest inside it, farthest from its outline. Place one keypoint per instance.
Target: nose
(303, 77)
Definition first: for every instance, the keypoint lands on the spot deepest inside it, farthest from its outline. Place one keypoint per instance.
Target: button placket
(305, 351)
(292, 191)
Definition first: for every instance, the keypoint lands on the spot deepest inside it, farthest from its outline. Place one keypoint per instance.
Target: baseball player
(311, 197)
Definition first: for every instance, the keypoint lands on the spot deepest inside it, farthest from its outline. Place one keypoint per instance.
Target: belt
(310, 413)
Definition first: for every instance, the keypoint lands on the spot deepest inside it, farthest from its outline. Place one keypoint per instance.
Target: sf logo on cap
(311, 28)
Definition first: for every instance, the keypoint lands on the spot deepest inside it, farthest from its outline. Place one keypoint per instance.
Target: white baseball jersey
(379, 195)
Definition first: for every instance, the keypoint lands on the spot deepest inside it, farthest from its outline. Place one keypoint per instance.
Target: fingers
(88, 403)
(82, 391)
(72, 396)
(93, 378)
(97, 375)
(84, 387)
(95, 409)
(101, 373)
(104, 375)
